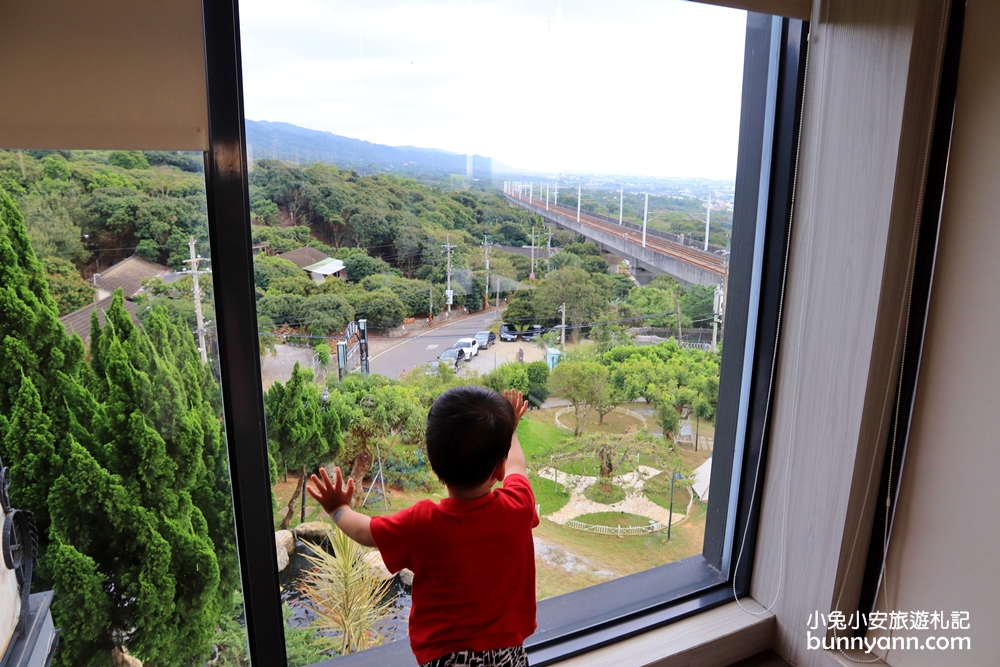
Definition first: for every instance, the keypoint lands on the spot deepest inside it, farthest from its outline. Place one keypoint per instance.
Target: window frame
(774, 72)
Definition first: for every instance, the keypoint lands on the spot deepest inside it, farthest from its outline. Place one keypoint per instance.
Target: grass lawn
(538, 438)
(552, 580)
(604, 493)
(613, 519)
(657, 489)
(548, 494)
(614, 422)
(619, 555)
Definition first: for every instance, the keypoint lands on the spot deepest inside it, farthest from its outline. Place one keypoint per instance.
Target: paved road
(425, 347)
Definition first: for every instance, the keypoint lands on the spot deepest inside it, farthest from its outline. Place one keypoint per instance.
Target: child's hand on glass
(520, 405)
(329, 493)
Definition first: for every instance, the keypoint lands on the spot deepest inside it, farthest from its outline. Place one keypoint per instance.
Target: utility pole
(716, 311)
(496, 316)
(645, 214)
(621, 204)
(486, 254)
(708, 218)
(430, 306)
(533, 250)
(548, 254)
(448, 246)
(194, 261)
(579, 191)
(562, 309)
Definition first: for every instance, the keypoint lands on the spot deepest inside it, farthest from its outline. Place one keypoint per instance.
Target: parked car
(508, 333)
(453, 357)
(485, 339)
(532, 331)
(470, 346)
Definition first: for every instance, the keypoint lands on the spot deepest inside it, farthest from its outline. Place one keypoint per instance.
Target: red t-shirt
(473, 565)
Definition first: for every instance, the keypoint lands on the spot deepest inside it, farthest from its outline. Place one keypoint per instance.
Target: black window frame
(774, 74)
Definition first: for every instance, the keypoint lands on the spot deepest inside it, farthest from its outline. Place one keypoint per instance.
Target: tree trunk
(291, 501)
(362, 464)
(607, 465)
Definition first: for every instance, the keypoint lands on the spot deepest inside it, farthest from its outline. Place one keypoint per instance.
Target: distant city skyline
(658, 97)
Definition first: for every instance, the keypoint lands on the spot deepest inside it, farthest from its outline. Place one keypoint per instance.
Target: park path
(634, 503)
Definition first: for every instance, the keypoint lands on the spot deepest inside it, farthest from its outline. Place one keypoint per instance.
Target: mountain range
(284, 141)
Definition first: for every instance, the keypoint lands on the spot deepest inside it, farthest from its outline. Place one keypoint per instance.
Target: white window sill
(721, 636)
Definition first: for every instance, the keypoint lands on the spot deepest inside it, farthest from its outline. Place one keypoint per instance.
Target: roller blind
(796, 9)
(102, 74)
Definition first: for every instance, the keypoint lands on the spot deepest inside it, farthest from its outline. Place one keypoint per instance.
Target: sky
(635, 87)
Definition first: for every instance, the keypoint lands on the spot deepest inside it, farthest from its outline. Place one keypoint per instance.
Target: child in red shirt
(472, 554)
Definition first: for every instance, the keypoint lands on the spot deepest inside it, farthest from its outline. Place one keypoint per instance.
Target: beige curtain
(102, 74)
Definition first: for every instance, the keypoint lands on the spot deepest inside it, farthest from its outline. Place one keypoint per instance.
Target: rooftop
(78, 322)
(129, 275)
(304, 257)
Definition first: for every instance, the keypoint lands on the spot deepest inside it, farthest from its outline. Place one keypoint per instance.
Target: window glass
(527, 195)
(110, 408)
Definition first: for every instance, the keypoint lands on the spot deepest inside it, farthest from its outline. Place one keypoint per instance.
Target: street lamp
(670, 521)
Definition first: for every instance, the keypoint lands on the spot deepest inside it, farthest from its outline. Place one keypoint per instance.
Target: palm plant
(349, 599)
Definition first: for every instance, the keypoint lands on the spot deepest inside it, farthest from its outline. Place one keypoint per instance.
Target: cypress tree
(123, 462)
(302, 431)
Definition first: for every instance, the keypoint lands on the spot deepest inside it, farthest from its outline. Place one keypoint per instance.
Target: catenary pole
(579, 191)
(645, 214)
(621, 204)
(708, 219)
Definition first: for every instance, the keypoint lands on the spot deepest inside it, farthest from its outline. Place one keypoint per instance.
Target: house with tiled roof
(78, 322)
(317, 264)
(129, 274)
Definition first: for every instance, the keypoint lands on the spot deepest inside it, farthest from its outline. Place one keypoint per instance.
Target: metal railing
(618, 531)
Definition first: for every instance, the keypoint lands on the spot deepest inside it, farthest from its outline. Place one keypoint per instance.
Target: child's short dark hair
(469, 430)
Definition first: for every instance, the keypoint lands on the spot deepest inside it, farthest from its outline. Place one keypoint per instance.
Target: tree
(587, 297)
(128, 160)
(268, 269)
(609, 398)
(614, 455)
(379, 415)
(70, 291)
(382, 308)
(327, 314)
(359, 266)
(123, 465)
(302, 432)
(538, 378)
(581, 383)
(508, 376)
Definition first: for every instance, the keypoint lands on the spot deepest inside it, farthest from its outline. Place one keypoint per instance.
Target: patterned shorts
(514, 656)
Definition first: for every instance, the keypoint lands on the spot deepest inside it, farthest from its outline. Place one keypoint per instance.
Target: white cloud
(649, 87)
